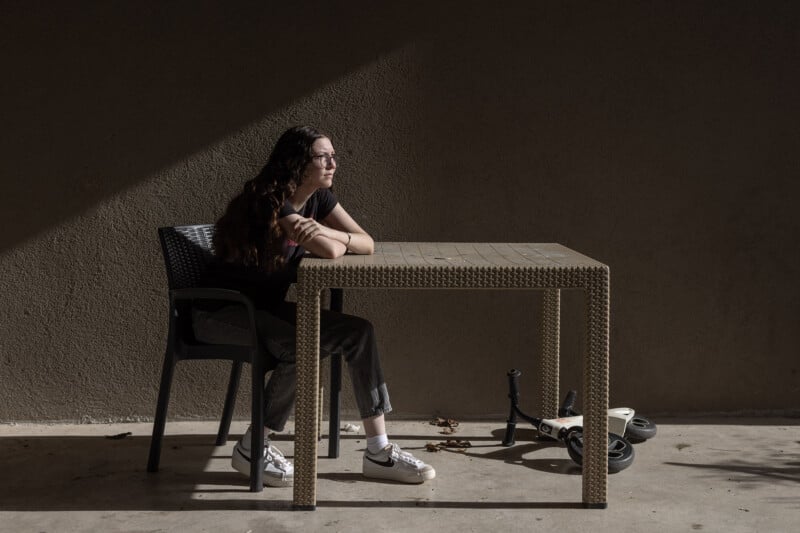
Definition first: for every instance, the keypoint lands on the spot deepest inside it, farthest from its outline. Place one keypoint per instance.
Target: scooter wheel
(640, 428)
(620, 451)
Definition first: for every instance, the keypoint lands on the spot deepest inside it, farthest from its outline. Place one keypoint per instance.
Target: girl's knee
(363, 326)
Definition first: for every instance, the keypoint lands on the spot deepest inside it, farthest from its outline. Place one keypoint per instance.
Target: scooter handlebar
(568, 404)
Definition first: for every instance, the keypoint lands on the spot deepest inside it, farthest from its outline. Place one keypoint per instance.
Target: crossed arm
(330, 238)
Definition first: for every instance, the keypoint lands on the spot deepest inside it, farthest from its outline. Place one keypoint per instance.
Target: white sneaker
(397, 465)
(278, 471)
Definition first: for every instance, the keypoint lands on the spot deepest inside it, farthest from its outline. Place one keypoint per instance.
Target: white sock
(377, 443)
(247, 437)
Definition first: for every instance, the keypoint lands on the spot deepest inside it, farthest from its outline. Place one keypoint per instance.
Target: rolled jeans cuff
(376, 404)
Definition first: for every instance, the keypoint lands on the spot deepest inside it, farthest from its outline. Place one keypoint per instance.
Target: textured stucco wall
(660, 139)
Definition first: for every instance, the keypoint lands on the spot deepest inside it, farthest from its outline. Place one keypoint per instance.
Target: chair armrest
(224, 295)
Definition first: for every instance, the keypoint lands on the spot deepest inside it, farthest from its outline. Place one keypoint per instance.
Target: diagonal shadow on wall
(99, 96)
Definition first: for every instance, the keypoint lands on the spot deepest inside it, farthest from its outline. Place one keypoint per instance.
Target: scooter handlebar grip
(568, 404)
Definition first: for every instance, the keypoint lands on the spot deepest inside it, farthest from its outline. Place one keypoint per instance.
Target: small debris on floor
(449, 425)
(459, 445)
(450, 443)
(682, 446)
(119, 436)
(350, 428)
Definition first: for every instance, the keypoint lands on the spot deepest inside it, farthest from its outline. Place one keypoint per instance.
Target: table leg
(307, 405)
(595, 386)
(551, 326)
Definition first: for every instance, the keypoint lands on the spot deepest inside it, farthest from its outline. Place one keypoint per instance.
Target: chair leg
(337, 300)
(337, 304)
(230, 403)
(161, 413)
(257, 427)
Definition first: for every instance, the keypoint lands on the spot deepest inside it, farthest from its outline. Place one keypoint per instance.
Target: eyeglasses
(325, 160)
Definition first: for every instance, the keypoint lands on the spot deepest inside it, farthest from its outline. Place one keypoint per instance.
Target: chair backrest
(187, 252)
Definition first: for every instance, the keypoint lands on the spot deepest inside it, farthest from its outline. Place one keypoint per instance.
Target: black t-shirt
(318, 206)
(269, 289)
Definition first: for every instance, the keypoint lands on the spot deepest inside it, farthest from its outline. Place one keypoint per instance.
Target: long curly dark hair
(248, 233)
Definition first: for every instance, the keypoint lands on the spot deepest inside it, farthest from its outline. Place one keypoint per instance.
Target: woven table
(463, 266)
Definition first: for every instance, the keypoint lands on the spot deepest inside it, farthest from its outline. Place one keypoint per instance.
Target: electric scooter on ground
(623, 424)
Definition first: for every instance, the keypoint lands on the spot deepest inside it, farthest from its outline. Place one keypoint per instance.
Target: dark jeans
(349, 335)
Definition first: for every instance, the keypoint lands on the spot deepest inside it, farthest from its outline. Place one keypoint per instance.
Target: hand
(305, 229)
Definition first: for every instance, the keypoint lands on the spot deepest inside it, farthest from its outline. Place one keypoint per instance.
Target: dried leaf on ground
(449, 425)
(449, 422)
(452, 443)
(432, 447)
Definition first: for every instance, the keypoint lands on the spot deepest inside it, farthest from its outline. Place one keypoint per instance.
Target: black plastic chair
(187, 253)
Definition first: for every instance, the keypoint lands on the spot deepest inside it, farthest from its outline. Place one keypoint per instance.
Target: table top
(455, 255)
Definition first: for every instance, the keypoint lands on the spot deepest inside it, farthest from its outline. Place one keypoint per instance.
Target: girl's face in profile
(319, 173)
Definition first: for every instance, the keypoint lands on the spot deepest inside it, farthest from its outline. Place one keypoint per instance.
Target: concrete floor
(703, 475)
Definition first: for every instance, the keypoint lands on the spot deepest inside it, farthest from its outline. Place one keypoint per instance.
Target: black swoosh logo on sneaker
(388, 463)
(240, 452)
